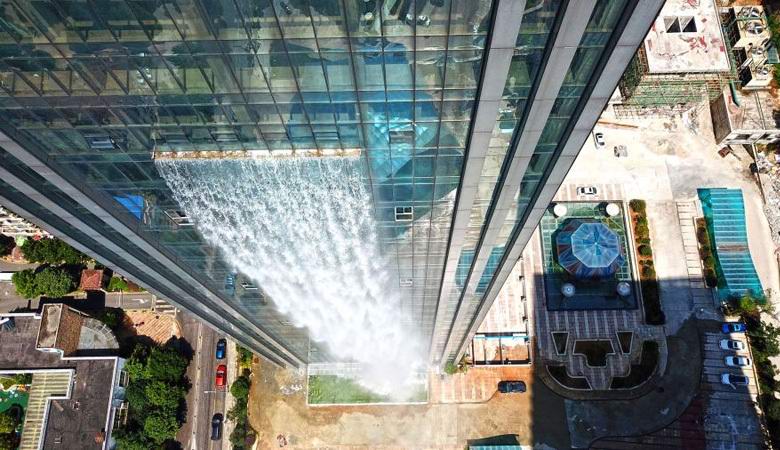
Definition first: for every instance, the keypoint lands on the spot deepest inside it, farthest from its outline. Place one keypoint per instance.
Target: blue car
(733, 327)
(221, 349)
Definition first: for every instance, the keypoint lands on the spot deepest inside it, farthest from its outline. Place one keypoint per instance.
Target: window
(178, 218)
(680, 24)
(404, 213)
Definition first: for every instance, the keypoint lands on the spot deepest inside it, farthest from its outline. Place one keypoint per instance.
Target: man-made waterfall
(304, 231)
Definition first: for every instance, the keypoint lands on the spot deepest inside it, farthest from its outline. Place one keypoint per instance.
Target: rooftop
(755, 110)
(75, 422)
(686, 37)
(91, 280)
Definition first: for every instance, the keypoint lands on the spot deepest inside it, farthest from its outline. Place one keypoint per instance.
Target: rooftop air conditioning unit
(754, 27)
(749, 11)
(763, 71)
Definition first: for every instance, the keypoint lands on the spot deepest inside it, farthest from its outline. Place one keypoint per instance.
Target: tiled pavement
(582, 325)
(477, 385)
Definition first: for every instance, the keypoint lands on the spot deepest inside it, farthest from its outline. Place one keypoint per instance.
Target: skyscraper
(465, 116)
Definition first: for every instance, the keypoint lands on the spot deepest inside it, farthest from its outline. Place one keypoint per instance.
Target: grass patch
(325, 389)
(639, 373)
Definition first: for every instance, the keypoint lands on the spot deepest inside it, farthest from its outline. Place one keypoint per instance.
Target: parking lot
(730, 418)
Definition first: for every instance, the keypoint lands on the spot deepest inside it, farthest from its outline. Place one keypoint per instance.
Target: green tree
(136, 396)
(244, 356)
(132, 441)
(24, 283)
(165, 364)
(53, 282)
(240, 387)
(51, 251)
(160, 427)
(7, 423)
(163, 395)
(7, 244)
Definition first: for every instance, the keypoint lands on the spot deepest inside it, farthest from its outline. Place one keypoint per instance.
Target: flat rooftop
(75, 422)
(686, 37)
(755, 111)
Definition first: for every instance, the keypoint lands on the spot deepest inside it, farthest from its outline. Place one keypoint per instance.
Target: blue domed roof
(589, 249)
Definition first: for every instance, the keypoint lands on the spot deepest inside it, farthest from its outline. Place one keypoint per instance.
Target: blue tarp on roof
(132, 203)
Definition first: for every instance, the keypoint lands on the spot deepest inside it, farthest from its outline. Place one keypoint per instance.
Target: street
(204, 398)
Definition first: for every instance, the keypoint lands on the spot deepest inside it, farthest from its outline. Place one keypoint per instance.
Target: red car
(221, 375)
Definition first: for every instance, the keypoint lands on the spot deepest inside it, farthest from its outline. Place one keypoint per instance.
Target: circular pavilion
(588, 249)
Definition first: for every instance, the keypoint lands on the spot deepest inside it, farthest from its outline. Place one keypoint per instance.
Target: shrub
(244, 356)
(641, 220)
(112, 317)
(648, 272)
(710, 278)
(7, 423)
(117, 284)
(709, 261)
(645, 250)
(638, 206)
(642, 231)
(645, 240)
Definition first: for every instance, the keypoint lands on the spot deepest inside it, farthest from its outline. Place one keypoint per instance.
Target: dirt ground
(278, 407)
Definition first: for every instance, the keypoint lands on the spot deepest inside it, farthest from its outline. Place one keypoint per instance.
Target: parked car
(221, 377)
(737, 361)
(734, 380)
(216, 427)
(731, 344)
(511, 386)
(598, 138)
(587, 190)
(733, 327)
(221, 349)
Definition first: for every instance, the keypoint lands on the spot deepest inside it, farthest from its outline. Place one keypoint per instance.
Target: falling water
(303, 230)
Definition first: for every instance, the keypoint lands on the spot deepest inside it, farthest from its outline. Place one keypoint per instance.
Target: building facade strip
(499, 51)
(534, 40)
(572, 28)
(148, 277)
(630, 38)
(85, 201)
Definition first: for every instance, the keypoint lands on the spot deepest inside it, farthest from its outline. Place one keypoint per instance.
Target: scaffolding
(642, 90)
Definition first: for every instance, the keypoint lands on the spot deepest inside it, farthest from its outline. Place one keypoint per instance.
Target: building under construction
(684, 58)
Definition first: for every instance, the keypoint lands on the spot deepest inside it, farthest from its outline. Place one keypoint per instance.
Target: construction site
(693, 51)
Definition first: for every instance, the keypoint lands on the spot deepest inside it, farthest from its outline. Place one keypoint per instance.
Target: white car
(587, 190)
(599, 139)
(734, 380)
(732, 344)
(737, 361)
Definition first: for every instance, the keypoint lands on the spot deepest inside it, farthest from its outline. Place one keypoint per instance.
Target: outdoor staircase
(45, 385)
(163, 307)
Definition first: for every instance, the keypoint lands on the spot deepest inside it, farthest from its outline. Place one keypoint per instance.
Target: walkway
(703, 301)
(45, 386)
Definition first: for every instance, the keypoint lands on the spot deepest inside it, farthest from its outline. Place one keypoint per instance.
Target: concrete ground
(278, 407)
(668, 159)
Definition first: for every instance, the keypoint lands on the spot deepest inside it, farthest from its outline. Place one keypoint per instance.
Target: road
(204, 399)
(10, 301)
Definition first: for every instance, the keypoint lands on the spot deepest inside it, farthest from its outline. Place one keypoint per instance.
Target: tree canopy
(51, 251)
(7, 423)
(51, 282)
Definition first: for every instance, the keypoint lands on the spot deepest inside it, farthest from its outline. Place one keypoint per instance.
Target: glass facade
(532, 40)
(95, 88)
